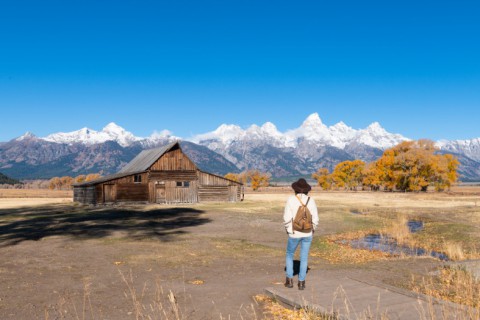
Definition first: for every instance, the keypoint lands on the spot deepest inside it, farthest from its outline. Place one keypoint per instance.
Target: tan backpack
(303, 219)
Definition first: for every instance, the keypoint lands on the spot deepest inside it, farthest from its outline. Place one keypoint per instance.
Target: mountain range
(229, 148)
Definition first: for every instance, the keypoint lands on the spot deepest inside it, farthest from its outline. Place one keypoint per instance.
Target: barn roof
(146, 159)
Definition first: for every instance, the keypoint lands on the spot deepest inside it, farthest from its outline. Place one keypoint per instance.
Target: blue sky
(189, 66)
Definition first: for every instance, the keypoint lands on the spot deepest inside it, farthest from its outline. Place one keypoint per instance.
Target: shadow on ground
(17, 225)
(296, 267)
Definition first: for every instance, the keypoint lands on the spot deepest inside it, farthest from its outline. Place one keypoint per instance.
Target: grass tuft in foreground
(275, 311)
(453, 284)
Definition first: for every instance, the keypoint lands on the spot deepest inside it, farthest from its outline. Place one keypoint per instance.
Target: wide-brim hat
(301, 186)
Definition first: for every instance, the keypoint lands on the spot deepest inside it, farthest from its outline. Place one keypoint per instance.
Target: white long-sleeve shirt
(291, 208)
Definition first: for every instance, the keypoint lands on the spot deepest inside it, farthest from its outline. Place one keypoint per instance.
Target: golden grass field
(12, 198)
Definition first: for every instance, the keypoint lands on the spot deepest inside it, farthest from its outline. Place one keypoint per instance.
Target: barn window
(184, 184)
(137, 178)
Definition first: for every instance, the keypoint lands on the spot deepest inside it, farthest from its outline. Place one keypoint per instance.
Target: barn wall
(123, 189)
(185, 175)
(130, 179)
(132, 192)
(168, 180)
(85, 195)
(215, 188)
(213, 193)
(99, 193)
(206, 179)
(176, 194)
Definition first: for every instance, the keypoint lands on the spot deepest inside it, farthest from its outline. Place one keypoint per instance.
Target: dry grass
(452, 284)
(331, 250)
(391, 200)
(398, 229)
(12, 203)
(16, 198)
(454, 251)
(164, 306)
(35, 193)
(275, 311)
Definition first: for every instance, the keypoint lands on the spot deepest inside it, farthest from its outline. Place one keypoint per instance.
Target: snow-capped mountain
(377, 137)
(298, 151)
(312, 130)
(111, 132)
(27, 135)
(469, 148)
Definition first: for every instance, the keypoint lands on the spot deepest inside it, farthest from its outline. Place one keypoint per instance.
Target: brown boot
(289, 282)
(301, 285)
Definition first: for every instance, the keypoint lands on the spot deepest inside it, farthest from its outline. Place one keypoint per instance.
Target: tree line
(66, 182)
(7, 180)
(409, 166)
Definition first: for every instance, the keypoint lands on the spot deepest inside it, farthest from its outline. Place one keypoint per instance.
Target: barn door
(109, 192)
(160, 194)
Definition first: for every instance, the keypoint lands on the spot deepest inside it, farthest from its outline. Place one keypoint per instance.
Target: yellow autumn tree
(414, 165)
(59, 183)
(258, 179)
(232, 176)
(371, 177)
(92, 176)
(54, 183)
(80, 178)
(384, 169)
(66, 182)
(348, 174)
(324, 178)
(445, 169)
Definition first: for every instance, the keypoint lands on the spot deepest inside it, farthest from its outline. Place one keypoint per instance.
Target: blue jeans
(292, 245)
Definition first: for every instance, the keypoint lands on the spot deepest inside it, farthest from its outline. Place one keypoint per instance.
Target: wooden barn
(161, 175)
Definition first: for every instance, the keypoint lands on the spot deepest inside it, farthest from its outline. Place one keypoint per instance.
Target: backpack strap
(303, 205)
(306, 203)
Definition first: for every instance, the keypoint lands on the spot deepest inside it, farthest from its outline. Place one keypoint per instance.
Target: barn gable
(147, 158)
(173, 160)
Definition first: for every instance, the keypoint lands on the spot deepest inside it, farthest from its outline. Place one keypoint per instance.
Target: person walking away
(301, 219)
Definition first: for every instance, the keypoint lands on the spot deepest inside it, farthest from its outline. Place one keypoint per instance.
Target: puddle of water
(415, 226)
(389, 245)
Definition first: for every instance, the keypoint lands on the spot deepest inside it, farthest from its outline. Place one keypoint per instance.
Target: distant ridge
(229, 148)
